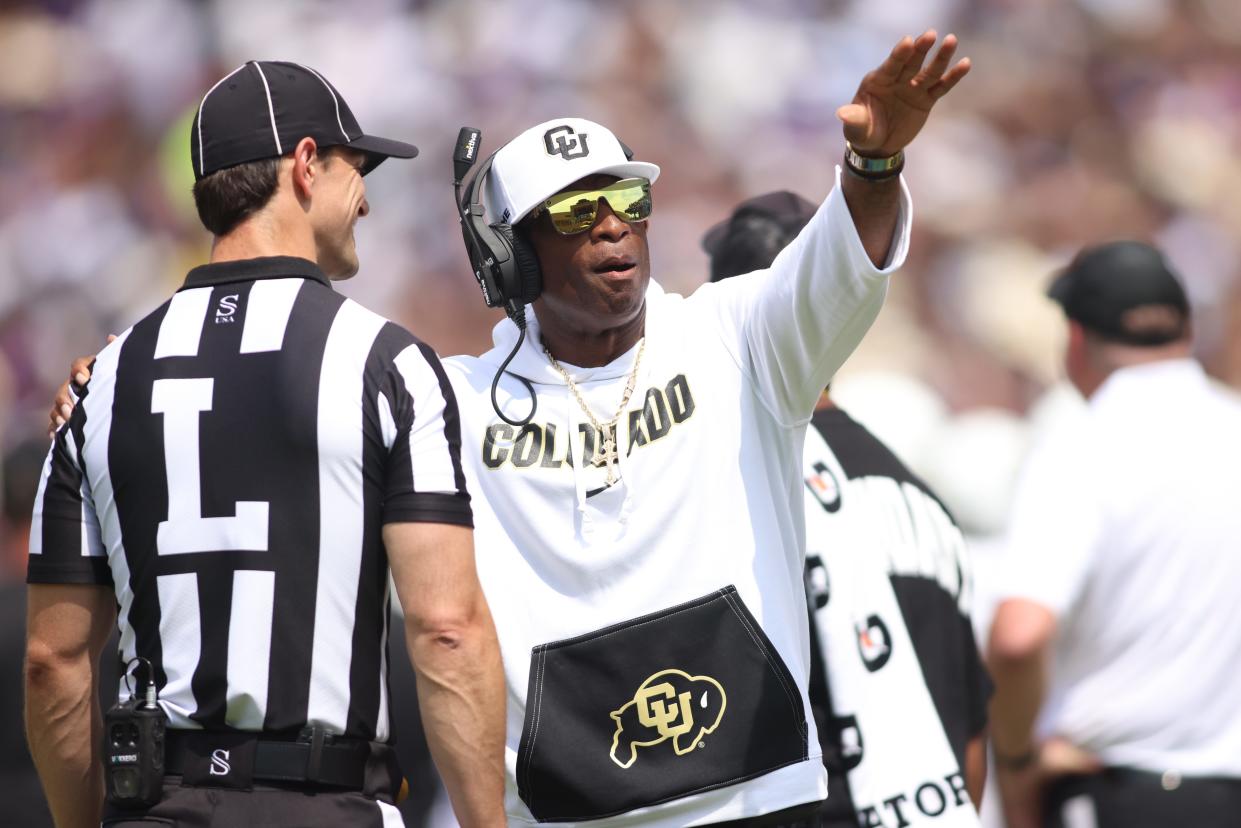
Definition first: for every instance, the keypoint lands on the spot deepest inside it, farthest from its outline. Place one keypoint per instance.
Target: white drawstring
(576, 453)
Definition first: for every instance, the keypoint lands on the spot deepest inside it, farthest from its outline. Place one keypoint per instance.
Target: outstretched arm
(794, 324)
(890, 108)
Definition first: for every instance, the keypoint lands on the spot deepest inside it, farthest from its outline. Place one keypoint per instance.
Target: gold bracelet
(873, 169)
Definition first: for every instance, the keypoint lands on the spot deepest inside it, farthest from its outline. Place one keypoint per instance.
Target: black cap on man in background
(757, 230)
(1126, 292)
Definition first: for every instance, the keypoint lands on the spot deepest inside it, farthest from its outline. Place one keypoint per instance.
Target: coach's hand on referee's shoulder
(893, 101)
(66, 397)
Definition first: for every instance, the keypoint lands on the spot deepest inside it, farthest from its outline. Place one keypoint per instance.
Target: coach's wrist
(871, 167)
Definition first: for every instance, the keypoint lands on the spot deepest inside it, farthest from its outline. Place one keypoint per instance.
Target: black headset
(504, 263)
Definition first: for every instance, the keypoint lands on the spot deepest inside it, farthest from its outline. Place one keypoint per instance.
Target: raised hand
(893, 101)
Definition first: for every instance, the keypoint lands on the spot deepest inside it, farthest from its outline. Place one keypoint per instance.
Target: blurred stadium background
(1082, 121)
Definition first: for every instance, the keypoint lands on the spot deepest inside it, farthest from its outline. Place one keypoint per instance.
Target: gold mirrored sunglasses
(575, 211)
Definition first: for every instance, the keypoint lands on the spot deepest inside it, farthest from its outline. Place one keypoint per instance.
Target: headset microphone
(486, 259)
(468, 140)
(505, 266)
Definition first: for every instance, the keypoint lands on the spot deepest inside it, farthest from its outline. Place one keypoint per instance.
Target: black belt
(798, 816)
(318, 761)
(1170, 780)
(1132, 798)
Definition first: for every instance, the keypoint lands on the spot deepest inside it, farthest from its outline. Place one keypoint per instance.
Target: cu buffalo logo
(874, 643)
(563, 141)
(671, 704)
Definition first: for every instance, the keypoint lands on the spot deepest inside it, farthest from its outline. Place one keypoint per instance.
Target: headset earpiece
(503, 262)
(528, 276)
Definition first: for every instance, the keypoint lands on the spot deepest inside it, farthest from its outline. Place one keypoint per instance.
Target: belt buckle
(315, 735)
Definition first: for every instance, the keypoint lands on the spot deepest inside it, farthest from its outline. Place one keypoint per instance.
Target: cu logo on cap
(564, 142)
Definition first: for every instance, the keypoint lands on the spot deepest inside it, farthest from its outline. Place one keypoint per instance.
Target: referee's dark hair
(227, 197)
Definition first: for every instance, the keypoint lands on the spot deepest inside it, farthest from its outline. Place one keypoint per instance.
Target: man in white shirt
(1115, 655)
(635, 535)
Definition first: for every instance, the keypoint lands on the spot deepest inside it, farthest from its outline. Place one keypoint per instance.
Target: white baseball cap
(545, 159)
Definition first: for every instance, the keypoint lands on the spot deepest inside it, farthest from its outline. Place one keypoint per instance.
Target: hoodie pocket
(660, 707)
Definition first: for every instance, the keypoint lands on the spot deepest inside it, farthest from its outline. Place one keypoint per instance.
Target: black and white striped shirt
(228, 470)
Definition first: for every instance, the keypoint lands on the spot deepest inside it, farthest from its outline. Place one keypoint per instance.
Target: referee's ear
(306, 165)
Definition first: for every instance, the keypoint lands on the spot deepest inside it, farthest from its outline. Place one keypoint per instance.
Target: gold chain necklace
(603, 451)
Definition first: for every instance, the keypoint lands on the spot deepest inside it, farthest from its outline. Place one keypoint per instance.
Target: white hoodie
(692, 716)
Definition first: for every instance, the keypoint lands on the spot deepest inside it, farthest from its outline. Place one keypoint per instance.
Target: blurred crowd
(1083, 121)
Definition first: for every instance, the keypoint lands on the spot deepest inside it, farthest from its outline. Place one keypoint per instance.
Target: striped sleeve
(66, 546)
(422, 430)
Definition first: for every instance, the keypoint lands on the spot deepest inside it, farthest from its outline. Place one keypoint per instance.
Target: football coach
(640, 532)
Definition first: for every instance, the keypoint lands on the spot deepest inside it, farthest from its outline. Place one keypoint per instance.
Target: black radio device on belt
(133, 745)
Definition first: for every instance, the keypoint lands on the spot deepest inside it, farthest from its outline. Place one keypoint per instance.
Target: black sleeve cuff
(93, 570)
(984, 689)
(430, 508)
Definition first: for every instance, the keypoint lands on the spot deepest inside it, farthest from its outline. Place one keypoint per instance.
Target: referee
(244, 465)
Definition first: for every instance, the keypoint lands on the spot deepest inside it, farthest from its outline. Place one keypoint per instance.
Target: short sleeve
(425, 482)
(1055, 525)
(66, 545)
(977, 681)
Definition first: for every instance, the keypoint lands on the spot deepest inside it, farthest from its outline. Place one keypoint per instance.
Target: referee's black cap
(758, 229)
(1125, 291)
(264, 107)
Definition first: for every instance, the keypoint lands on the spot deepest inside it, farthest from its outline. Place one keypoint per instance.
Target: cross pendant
(605, 455)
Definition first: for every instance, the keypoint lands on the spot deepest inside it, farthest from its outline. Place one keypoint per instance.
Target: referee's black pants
(262, 807)
(1127, 798)
(356, 785)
